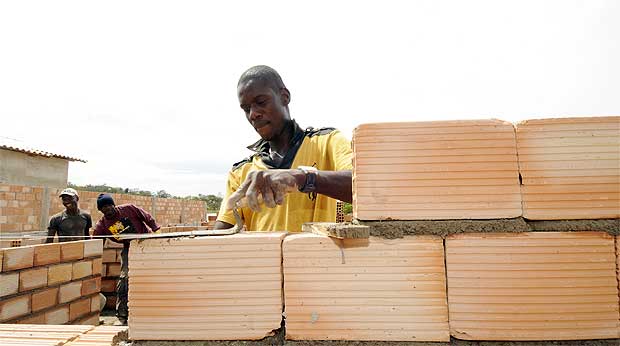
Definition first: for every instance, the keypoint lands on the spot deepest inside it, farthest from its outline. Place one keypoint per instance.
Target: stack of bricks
(56, 335)
(56, 283)
(20, 208)
(110, 271)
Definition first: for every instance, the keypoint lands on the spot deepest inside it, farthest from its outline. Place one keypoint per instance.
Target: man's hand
(269, 187)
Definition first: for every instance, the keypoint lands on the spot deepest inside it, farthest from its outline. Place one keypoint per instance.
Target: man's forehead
(252, 88)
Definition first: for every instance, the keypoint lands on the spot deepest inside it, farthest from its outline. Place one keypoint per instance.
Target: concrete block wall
(56, 283)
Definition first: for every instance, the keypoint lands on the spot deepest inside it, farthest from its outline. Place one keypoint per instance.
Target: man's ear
(285, 96)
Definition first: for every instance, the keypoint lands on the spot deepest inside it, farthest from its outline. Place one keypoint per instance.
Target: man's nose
(255, 113)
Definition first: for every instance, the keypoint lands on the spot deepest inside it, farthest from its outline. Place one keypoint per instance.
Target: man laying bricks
(314, 163)
(72, 223)
(128, 219)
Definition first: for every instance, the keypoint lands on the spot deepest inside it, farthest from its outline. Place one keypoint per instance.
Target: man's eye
(261, 102)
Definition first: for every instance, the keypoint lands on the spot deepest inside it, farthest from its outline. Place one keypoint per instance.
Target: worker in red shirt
(116, 221)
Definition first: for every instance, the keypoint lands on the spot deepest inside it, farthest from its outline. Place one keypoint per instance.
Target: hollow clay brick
(93, 248)
(82, 269)
(59, 273)
(18, 258)
(207, 288)
(365, 289)
(570, 168)
(69, 292)
(532, 286)
(9, 283)
(46, 254)
(32, 278)
(14, 307)
(71, 251)
(44, 299)
(435, 170)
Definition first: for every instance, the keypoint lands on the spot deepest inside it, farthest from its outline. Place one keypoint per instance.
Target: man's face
(265, 108)
(108, 210)
(70, 202)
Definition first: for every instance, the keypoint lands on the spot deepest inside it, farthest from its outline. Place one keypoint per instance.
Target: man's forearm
(334, 184)
(50, 236)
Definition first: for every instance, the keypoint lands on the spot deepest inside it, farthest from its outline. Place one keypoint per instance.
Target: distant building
(21, 165)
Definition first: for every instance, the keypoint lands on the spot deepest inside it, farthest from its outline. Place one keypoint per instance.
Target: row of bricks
(18, 204)
(31, 279)
(10, 196)
(25, 304)
(20, 189)
(73, 313)
(27, 218)
(44, 254)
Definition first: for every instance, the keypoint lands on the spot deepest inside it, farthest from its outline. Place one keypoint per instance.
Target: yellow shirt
(326, 149)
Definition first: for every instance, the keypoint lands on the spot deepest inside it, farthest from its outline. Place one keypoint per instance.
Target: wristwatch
(309, 185)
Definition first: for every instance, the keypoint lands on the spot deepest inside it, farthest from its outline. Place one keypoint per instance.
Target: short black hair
(265, 74)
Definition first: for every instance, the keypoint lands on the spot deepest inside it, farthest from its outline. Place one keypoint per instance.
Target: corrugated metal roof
(15, 145)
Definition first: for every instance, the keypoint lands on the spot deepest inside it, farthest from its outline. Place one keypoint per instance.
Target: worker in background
(297, 174)
(72, 223)
(116, 221)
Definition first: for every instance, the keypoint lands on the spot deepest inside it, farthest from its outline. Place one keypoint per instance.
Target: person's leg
(122, 288)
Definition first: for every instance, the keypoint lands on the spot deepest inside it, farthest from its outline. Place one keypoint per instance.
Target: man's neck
(282, 142)
(72, 212)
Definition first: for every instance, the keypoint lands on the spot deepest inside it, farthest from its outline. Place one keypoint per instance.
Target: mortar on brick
(391, 229)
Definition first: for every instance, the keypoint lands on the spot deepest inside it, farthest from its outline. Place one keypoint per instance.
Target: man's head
(105, 204)
(264, 98)
(69, 199)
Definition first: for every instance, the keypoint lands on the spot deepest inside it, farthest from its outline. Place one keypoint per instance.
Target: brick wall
(55, 283)
(27, 209)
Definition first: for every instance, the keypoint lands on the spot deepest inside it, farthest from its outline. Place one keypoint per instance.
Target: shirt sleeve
(339, 148)
(53, 226)
(232, 184)
(147, 218)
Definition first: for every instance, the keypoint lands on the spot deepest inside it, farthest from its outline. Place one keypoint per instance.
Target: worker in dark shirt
(116, 221)
(72, 223)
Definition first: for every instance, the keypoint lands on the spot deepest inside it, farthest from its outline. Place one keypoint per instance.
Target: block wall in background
(28, 209)
(56, 283)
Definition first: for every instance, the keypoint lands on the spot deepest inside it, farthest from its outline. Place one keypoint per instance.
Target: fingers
(268, 187)
(253, 192)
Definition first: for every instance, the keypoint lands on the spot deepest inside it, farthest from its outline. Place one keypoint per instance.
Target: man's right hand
(268, 187)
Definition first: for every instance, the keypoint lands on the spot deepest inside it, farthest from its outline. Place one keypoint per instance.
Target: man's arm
(271, 186)
(52, 229)
(147, 218)
(89, 224)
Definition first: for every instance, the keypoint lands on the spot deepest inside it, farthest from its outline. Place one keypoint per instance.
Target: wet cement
(611, 226)
(398, 229)
(391, 229)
